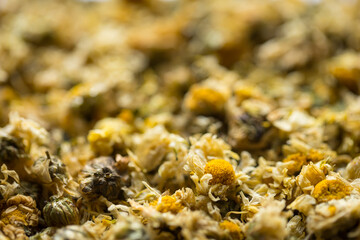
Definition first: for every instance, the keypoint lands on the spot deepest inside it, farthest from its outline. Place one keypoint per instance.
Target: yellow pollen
(221, 171)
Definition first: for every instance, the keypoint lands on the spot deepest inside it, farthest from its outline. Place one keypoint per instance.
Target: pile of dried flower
(154, 119)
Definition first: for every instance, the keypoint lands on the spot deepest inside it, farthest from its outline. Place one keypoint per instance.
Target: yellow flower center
(167, 204)
(221, 171)
(327, 190)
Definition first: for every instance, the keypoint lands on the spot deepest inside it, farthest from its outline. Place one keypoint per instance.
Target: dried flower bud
(247, 131)
(49, 169)
(60, 212)
(100, 178)
(11, 150)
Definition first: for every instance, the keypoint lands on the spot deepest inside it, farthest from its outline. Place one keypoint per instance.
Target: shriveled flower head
(21, 211)
(222, 172)
(100, 177)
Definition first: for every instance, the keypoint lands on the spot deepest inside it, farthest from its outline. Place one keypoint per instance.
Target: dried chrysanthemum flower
(167, 204)
(20, 217)
(12, 232)
(28, 130)
(72, 232)
(101, 178)
(221, 171)
(248, 131)
(49, 169)
(211, 147)
(60, 212)
(46, 233)
(151, 148)
(315, 156)
(290, 120)
(303, 203)
(345, 68)
(353, 169)
(14, 154)
(21, 211)
(296, 227)
(85, 104)
(154, 81)
(309, 176)
(93, 229)
(338, 219)
(329, 189)
(8, 186)
(108, 136)
(297, 161)
(11, 149)
(233, 229)
(268, 223)
(127, 228)
(205, 100)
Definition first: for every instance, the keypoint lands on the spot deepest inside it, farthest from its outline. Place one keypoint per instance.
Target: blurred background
(67, 63)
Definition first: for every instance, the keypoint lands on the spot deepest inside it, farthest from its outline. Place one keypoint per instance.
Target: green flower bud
(60, 212)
